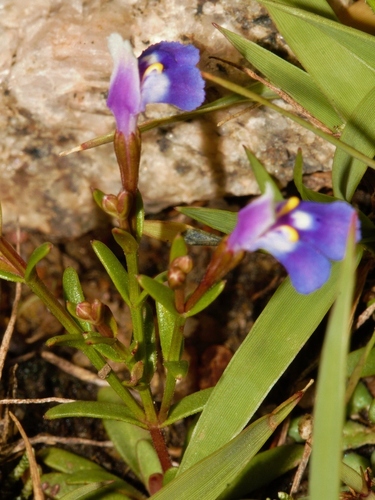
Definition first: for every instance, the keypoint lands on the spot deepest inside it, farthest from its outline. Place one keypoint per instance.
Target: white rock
(54, 74)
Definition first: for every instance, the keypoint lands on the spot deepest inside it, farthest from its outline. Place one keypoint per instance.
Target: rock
(54, 74)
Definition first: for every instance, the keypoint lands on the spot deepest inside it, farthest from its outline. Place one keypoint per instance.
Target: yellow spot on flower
(158, 67)
(290, 232)
(290, 205)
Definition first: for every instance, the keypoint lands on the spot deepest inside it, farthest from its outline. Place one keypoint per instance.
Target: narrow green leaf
(347, 171)
(206, 299)
(178, 249)
(354, 358)
(306, 194)
(189, 405)
(148, 460)
(65, 461)
(114, 268)
(126, 437)
(318, 131)
(211, 476)
(159, 292)
(289, 78)
(166, 323)
(178, 369)
(164, 230)
(275, 339)
(329, 52)
(73, 293)
(222, 220)
(7, 276)
(113, 487)
(82, 492)
(93, 409)
(262, 176)
(38, 254)
(329, 410)
(264, 468)
(125, 240)
(69, 340)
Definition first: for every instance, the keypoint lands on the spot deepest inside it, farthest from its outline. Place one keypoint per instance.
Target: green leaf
(294, 81)
(65, 461)
(189, 405)
(69, 340)
(178, 369)
(125, 240)
(7, 276)
(354, 358)
(263, 177)
(166, 324)
(148, 460)
(212, 475)
(178, 249)
(38, 254)
(114, 268)
(159, 292)
(93, 409)
(140, 215)
(307, 194)
(222, 220)
(126, 438)
(340, 59)
(206, 299)
(73, 293)
(329, 409)
(264, 468)
(164, 230)
(275, 339)
(82, 492)
(347, 171)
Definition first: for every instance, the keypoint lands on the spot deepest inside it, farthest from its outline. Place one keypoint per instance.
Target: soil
(211, 339)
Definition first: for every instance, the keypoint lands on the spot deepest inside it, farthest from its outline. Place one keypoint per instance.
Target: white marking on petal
(302, 220)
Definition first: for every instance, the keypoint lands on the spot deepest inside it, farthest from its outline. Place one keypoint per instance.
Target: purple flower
(303, 235)
(165, 72)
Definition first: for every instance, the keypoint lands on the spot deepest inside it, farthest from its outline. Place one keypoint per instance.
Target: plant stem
(161, 448)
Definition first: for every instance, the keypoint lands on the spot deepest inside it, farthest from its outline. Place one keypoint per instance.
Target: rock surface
(54, 74)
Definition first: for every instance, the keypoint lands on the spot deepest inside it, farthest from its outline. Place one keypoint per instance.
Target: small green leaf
(98, 197)
(65, 461)
(222, 220)
(73, 293)
(38, 254)
(7, 276)
(81, 492)
(178, 249)
(126, 437)
(125, 240)
(160, 293)
(114, 268)
(166, 324)
(164, 230)
(206, 299)
(68, 340)
(149, 463)
(263, 177)
(93, 409)
(189, 405)
(305, 193)
(178, 369)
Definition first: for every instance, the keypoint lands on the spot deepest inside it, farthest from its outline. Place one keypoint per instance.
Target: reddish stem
(161, 448)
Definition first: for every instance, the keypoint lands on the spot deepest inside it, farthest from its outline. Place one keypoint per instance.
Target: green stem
(138, 332)
(174, 355)
(37, 286)
(264, 102)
